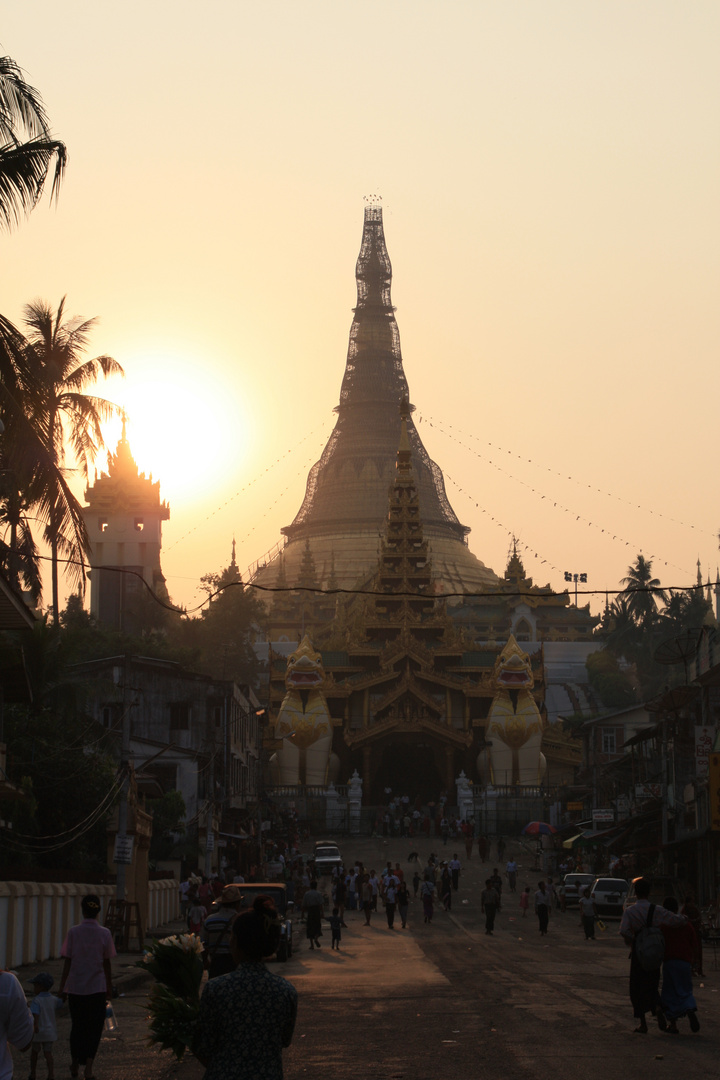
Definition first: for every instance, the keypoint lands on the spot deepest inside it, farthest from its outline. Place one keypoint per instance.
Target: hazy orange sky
(550, 177)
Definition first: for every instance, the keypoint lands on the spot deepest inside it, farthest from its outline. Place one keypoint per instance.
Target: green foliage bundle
(176, 963)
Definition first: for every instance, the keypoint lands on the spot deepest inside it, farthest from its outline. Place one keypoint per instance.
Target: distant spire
(233, 563)
(699, 573)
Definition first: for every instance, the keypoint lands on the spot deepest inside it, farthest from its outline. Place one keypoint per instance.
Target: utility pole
(121, 845)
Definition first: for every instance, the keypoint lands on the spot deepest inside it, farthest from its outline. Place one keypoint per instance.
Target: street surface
(447, 1000)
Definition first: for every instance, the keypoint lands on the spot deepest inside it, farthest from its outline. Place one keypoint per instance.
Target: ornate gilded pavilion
(407, 691)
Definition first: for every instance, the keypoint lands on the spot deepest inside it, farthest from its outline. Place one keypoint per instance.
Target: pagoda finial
(699, 573)
(233, 563)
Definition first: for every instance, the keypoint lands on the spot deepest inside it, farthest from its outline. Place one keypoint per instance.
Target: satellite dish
(680, 649)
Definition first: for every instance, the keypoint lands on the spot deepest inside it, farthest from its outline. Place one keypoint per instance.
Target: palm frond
(24, 169)
(21, 107)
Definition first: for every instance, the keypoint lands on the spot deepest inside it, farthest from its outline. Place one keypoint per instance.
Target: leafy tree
(642, 591)
(62, 411)
(613, 686)
(223, 633)
(27, 148)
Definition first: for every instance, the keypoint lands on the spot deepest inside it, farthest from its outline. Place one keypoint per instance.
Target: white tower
(124, 519)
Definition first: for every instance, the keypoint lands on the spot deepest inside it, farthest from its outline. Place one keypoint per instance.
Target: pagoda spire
(347, 488)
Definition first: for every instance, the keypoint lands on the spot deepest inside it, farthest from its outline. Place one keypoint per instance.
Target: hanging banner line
(557, 505)
(251, 483)
(446, 428)
(565, 510)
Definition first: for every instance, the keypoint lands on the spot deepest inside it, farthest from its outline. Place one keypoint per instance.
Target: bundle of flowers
(176, 963)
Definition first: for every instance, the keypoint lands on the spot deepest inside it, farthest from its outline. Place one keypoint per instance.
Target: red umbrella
(538, 828)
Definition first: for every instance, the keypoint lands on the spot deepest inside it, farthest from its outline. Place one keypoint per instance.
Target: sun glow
(184, 426)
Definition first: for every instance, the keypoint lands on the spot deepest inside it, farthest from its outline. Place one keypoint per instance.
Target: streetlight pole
(582, 578)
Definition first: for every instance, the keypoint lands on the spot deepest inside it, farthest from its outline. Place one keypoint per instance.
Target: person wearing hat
(43, 1008)
(216, 931)
(87, 980)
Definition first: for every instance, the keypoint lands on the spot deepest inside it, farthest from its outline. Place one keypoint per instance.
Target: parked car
(609, 894)
(278, 892)
(327, 857)
(573, 884)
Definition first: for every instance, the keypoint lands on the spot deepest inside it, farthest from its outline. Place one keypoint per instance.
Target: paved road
(447, 1000)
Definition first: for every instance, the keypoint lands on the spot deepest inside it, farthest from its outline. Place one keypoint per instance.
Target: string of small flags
(446, 428)
(254, 481)
(556, 505)
(496, 521)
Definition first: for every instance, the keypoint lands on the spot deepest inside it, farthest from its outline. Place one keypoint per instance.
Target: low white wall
(36, 916)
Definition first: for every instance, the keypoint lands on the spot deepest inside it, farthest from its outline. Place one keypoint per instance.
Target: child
(43, 1008)
(335, 924)
(196, 916)
(525, 900)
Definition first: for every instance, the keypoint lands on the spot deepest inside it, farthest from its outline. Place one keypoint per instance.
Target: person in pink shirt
(86, 980)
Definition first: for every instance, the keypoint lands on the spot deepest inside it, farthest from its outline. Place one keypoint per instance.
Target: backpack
(650, 944)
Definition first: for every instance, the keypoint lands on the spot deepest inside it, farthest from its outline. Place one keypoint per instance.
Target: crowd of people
(247, 1011)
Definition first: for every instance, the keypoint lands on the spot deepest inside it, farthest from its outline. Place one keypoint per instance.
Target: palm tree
(27, 148)
(642, 591)
(62, 413)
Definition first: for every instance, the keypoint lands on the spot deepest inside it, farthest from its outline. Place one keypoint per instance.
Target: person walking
(391, 891)
(444, 829)
(215, 932)
(588, 913)
(525, 901)
(312, 905)
(247, 1016)
(87, 981)
(403, 903)
(366, 896)
(482, 847)
(694, 915)
(446, 889)
(489, 901)
(455, 868)
(677, 998)
(341, 897)
(335, 929)
(511, 873)
(43, 1007)
(641, 916)
(497, 885)
(542, 907)
(427, 895)
(500, 848)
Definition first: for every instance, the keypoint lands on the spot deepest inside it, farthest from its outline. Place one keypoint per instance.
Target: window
(103, 524)
(139, 524)
(608, 740)
(179, 716)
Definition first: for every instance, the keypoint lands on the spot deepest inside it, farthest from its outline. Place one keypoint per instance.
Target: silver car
(608, 894)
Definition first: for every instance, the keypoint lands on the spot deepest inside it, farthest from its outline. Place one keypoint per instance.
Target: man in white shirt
(16, 1022)
(511, 873)
(644, 985)
(454, 867)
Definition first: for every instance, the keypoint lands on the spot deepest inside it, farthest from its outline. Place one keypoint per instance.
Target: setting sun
(184, 429)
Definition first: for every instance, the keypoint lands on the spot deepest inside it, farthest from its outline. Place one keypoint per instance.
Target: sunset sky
(549, 175)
